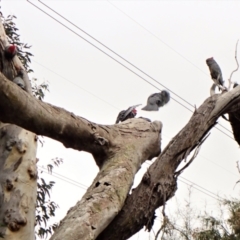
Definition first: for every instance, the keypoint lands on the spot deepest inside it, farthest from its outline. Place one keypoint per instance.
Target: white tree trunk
(18, 176)
(18, 172)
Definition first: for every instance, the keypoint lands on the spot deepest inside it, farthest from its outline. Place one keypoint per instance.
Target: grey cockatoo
(157, 100)
(19, 81)
(215, 72)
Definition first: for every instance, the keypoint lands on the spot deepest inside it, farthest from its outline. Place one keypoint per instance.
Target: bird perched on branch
(157, 100)
(10, 51)
(131, 112)
(215, 72)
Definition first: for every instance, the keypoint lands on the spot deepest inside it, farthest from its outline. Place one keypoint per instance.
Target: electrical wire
(121, 58)
(117, 108)
(40, 64)
(119, 62)
(67, 178)
(133, 65)
(83, 186)
(191, 185)
(157, 38)
(105, 53)
(64, 178)
(80, 87)
(165, 45)
(195, 185)
(129, 61)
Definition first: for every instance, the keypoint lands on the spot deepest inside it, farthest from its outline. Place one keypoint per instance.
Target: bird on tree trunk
(216, 73)
(10, 51)
(19, 81)
(131, 112)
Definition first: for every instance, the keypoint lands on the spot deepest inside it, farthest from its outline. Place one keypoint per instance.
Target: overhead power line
(117, 60)
(212, 195)
(83, 186)
(94, 95)
(196, 186)
(115, 53)
(120, 63)
(112, 57)
(154, 35)
(64, 178)
(200, 155)
(104, 52)
(70, 181)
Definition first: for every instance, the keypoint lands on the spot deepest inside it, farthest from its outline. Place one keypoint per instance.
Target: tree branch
(230, 78)
(160, 181)
(197, 149)
(119, 151)
(18, 107)
(108, 145)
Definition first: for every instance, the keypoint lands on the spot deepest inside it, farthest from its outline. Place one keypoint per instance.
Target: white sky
(170, 41)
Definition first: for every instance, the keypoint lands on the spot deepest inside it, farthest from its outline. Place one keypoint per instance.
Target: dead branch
(212, 89)
(165, 220)
(230, 78)
(193, 157)
(238, 168)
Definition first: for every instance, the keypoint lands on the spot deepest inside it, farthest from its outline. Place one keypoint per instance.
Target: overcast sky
(168, 40)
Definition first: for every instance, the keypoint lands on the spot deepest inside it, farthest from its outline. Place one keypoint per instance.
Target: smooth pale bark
(18, 173)
(18, 176)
